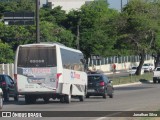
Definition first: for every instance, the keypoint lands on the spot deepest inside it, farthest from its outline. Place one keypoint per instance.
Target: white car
(133, 70)
(1, 98)
(148, 67)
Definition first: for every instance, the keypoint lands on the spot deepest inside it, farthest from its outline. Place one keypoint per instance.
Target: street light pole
(37, 22)
(121, 5)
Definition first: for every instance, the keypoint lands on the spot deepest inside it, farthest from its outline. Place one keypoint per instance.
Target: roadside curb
(128, 84)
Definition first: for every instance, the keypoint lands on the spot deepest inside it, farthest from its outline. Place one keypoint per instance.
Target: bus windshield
(37, 57)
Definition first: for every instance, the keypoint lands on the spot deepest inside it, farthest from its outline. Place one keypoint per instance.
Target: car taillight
(3, 83)
(101, 83)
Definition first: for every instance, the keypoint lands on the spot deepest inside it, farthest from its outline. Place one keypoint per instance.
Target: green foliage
(17, 6)
(92, 20)
(55, 15)
(140, 28)
(99, 29)
(15, 35)
(53, 33)
(6, 53)
(140, 25)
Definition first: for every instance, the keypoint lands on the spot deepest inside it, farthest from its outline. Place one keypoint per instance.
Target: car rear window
(94, 78)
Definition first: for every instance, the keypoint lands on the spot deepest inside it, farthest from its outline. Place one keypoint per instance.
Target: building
(68, 5)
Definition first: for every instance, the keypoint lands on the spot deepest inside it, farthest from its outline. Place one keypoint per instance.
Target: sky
(116, 4)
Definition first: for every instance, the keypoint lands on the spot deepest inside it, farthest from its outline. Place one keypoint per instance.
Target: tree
(55, 15)
(6, 53)
(53, 33)
(140, 28)
(92, 22)
(16, 35)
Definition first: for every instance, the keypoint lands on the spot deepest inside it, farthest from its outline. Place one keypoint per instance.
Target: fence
(115, 59)
(7, 69)
(123, 62)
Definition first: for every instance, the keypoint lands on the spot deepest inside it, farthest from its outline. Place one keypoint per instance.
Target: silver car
(133, 70)
(1, 98)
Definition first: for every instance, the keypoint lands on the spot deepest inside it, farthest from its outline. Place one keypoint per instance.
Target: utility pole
(121, 5)
(37, 22)
(78, 33)
(77, 41)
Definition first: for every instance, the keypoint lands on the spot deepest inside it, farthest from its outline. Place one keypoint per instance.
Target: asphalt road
(140, 97)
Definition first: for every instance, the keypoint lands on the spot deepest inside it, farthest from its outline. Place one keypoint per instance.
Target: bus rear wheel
(67, 98)
(46, 99)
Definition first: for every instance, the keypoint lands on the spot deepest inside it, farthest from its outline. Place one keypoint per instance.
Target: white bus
(49, 70)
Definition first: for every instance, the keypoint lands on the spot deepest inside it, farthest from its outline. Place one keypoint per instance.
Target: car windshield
(94, 78)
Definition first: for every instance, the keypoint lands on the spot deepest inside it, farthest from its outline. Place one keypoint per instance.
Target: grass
(132, 79)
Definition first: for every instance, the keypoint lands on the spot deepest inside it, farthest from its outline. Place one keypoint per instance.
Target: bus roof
(51, 44)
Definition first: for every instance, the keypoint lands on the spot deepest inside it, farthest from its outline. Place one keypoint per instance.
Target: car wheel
(16, 98)
(81, 98)
(6, 97)
(1, 102)
(111, 96)
(154, 81)
(104, 96)
(105, 93)
(87, 96)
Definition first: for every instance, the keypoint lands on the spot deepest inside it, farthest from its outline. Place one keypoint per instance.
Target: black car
(99, 85)
(8, 87)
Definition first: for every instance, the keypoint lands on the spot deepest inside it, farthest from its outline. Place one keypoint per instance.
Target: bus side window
(81, 67)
